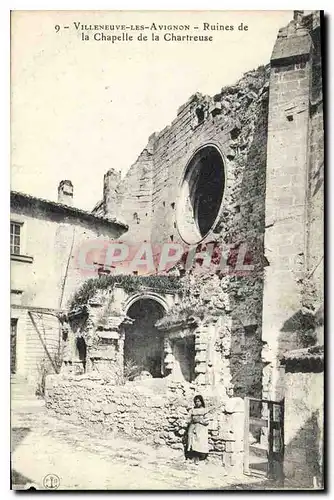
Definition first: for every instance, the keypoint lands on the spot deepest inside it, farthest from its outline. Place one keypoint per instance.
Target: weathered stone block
(233, 461)
(109, 408)
(233, 446)
(213, 425)
(228, 435)
(234, 405)
(217, 445)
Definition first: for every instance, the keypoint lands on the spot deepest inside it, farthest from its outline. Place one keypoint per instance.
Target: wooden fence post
(246, 437)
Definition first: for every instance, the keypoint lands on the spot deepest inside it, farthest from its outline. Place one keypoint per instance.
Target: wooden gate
(264, 438)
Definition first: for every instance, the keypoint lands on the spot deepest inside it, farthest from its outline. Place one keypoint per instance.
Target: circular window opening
(201, 195)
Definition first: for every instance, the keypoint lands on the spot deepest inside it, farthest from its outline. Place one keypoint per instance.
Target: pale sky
(79, 108)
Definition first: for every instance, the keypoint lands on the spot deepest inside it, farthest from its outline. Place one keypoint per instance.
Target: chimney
(65, 193)
(111, 181)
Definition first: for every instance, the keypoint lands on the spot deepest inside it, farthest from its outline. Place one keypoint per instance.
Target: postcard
(166, 247)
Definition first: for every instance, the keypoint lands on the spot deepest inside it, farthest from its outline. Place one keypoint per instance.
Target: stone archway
(145, 295)
(143, 342)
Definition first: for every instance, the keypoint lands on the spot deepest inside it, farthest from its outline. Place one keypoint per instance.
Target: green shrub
(130, 371)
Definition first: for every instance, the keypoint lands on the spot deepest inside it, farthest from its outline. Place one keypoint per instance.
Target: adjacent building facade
(45, 270)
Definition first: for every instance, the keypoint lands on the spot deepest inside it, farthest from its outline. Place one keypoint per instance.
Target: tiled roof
(312, 352)
(17, 198)
(98, 208)
(309, 359)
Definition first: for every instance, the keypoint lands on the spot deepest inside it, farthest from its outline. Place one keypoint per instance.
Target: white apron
(198, 432)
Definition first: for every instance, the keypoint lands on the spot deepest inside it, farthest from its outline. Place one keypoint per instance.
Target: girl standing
(198, 446)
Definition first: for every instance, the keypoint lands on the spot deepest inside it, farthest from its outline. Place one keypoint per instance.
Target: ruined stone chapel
(243, 167)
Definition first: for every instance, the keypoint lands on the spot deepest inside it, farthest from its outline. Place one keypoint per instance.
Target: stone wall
(110, 337)
(304, 418)
(315, 234)
(227, 336)
(154, 411)
(235, 121)
(134, 197)
(294, 203)
(268, 130)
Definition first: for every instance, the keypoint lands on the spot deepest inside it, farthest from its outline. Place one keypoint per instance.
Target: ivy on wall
(186, 315)
(129, 283)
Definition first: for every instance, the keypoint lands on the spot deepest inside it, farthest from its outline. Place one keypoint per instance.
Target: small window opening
(200, 114)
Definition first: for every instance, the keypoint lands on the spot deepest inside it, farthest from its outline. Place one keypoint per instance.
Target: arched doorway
(143, 343)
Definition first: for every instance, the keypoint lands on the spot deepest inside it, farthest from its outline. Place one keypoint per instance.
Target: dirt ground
(77, 458)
